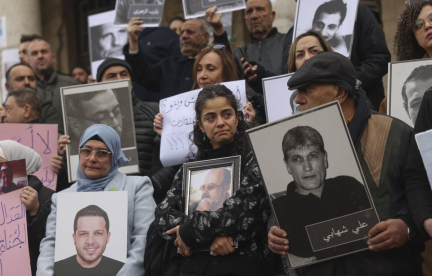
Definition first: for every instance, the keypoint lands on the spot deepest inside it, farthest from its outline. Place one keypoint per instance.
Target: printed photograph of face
(91, 234)
(315, 184)
(209, 189)
(414, 89)
(110, 107)
(107, 40)
(334, 19)
(13, 175)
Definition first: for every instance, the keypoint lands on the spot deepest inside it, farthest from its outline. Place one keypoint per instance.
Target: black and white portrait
(102, 103)
(315, 184)
(91, 233)
(150, 11)
(334, 19)
(107, 40)
(197, 8)
(207, 184)
(408, 82)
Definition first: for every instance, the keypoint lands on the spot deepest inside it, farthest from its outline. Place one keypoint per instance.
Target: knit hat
(110, 62)
(325, 67)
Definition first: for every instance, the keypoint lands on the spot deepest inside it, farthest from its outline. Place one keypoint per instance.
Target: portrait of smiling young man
(91, 237)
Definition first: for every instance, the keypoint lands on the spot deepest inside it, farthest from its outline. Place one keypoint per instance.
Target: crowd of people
(242, 234)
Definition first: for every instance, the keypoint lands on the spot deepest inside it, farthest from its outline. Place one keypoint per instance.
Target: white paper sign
(3, 38)
(197, 8)
(178, 118)
(425, 147)
(277, 96)
(9, 57)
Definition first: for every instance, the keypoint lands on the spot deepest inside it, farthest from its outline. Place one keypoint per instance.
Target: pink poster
(40, 137)
(14, 249)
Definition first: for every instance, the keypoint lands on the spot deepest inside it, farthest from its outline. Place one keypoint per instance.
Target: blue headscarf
(112, 140)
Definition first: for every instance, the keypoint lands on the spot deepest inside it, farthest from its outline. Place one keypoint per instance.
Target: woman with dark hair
(413, 38)
(304, 47)
(214, 64)
(219, 131)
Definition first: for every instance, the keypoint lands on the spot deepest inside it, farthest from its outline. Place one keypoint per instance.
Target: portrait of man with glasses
(99, 107)
(212, 192)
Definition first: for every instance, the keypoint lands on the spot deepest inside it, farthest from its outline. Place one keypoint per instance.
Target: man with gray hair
(172, 75)
(41, 59)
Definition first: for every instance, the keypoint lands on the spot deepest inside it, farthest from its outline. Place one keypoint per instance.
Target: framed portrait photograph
(13, 176)
(407, 83)
(276, 97)
(197, 8)
(108, 103)
(105, 39)
(149, 11)
(334, 19)
(207, 184)
(91, 233)
(315, 184)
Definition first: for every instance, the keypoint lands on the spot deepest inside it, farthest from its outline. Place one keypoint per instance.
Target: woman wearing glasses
(213, 65)
(100, 157)
(413, 39)
(219, 132)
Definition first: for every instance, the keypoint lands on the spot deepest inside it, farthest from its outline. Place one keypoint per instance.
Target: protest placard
(14, 248)
(279, 100)
(105, 39)
(13, 175)
(425, 147)
(407, 83)
(42, 138)
(91, 228)
(178, 118)
(334, 19)
(149, 11)
(314, 180)
(108, 103)
(197, 8)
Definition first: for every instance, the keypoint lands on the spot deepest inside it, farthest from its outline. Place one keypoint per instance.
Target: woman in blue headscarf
(100, 158)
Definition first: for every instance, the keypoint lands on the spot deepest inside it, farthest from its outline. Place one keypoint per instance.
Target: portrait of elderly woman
(109, 106)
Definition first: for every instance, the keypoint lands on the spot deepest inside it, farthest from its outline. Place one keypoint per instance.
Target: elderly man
(42, 59)
(382, 144)
(22, 106)
(22, 76)
(215, 190)
(267, 43)
(172, 75)
(91, 237)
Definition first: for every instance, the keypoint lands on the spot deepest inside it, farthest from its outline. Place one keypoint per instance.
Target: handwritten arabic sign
(179, 116)
(40, 137)
(341, 230)
(14, 250)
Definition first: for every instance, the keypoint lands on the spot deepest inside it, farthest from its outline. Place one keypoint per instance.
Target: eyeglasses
(420, 23)
(100, 155)
(210, 186)
(215, 46)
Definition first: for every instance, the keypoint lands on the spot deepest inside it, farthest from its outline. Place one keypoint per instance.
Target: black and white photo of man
(109, 107)
(311, 196)
(107, 41)
(414, 88)
(91, 236)
(327, 20)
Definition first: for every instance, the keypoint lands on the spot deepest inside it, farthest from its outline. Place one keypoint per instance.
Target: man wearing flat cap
(382, 144)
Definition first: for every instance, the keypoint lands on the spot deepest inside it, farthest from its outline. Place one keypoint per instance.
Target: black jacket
(369, 55)
(169, 77)
(36, 225)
